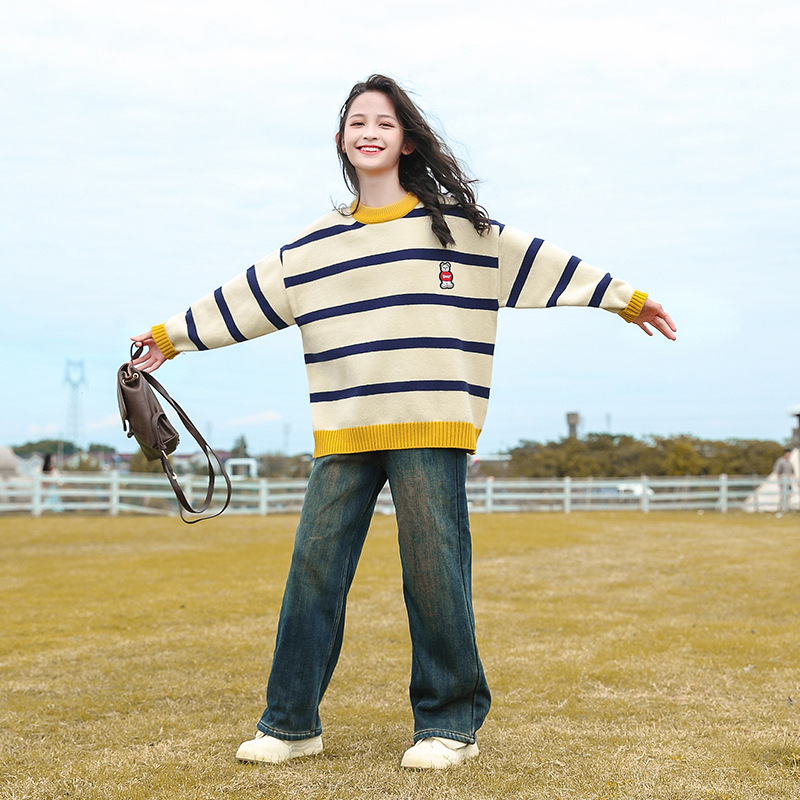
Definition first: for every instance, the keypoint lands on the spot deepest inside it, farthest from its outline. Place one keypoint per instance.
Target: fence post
(263, 497)
(113, 500)
(645, 496)
(489, 484)
(567, 495)
(36, 495)
(723, 493)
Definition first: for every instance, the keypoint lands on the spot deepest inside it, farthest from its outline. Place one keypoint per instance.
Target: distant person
(49, 468)
(52, 499)
(396, 298)
(784, 471)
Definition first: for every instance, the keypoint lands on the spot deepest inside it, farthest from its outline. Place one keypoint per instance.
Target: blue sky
(149, 154)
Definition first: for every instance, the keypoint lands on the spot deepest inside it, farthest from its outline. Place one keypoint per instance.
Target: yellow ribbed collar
(369, 215)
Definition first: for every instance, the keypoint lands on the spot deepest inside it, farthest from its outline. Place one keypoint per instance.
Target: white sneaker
(269, 750)
(437, 753)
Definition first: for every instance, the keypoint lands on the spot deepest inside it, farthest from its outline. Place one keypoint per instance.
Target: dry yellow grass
(652, 657)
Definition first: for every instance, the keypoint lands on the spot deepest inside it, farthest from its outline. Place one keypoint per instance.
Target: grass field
(631, 656)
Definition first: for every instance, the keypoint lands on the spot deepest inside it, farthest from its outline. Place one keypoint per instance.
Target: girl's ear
(339, 142)
(408, 148)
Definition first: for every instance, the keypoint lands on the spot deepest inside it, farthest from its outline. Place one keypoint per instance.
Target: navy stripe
(335, 230)
(268, 311)
(226, 315)
(475, 303)
(453, 211)
(563, 281)
(524, 271)
(324, 233)
(421, 254)
(191, 330)
(411, 343)
(597, 297)
(400, 386)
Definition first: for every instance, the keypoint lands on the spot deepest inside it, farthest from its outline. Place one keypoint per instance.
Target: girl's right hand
(152, 358)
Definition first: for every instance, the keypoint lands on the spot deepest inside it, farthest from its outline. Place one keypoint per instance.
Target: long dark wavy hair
(430, 172)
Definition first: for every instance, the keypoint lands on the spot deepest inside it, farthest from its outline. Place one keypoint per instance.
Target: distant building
(8, 463)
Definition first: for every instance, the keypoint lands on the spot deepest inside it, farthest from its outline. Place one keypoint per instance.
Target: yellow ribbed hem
(634, 307)
(160, 337)
(400, 436)
(369, 215)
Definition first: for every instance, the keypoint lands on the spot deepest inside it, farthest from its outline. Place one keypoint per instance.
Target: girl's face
(373, 139)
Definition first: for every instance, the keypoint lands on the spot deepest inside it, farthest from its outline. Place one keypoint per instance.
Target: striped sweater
(398, 331)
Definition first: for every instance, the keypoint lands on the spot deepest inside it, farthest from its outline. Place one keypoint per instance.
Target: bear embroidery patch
(445, 275)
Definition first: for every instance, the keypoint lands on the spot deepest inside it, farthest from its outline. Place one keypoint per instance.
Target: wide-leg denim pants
(448, 689)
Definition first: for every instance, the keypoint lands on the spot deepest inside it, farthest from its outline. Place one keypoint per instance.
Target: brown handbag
(145, 420)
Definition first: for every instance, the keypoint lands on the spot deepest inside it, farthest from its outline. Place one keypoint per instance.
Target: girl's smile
(373, 138)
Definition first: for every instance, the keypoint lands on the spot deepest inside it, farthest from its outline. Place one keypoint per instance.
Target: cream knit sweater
(398, 332)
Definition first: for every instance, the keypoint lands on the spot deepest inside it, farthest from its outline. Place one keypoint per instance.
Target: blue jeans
(448, 690)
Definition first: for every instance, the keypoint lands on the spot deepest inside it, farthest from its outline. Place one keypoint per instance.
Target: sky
(149, 154)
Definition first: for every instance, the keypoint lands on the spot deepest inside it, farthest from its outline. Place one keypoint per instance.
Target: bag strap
(208, 452)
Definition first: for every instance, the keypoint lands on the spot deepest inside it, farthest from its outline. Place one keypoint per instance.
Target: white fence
(116, 493)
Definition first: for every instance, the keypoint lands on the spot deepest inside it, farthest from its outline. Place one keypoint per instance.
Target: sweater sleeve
(252, 304)
(537, 274)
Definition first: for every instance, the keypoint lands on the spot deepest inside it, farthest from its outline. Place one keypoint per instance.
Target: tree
(101, 448)
(52, 446)
(139, 463)
(679, 456)
(278, 465)
(618, 456)
(240, 448)
(741, 456)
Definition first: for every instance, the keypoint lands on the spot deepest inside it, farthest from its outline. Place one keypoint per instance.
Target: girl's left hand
(653, 314)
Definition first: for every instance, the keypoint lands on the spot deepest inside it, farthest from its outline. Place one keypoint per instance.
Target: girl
(397, 299)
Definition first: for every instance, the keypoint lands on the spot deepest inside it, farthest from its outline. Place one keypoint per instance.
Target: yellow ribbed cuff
(399, 436)
(369, 215)
(634, 307)
(160, 337)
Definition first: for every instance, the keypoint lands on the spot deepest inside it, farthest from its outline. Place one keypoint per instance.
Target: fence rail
(117, 493)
